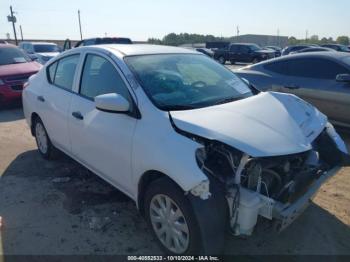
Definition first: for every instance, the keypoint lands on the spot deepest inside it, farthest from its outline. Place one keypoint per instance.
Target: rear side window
(315, 68)
(279, 67)
(234, 48)
(61, 73)
(51, 71)
(101, 77)
(307, 68)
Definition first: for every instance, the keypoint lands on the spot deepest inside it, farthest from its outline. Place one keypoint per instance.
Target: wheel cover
(169, 224)
(41, 138)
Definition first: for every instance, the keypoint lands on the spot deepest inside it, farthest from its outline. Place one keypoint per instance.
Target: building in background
(261, 40)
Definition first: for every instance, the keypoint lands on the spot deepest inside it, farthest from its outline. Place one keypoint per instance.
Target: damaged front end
(278, 188)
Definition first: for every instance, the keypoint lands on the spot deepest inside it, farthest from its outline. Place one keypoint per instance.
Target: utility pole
(12, 18)
(81, 34)
(20, 29)
(306, 35)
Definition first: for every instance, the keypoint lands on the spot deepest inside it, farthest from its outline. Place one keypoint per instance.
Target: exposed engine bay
(267, 186)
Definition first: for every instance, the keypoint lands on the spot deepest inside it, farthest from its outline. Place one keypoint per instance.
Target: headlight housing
(336, 138)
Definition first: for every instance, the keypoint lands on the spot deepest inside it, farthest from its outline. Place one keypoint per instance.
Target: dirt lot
(58, 207)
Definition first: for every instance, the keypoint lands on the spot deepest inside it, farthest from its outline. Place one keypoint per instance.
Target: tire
(164, 189)
(255, 61)
(45, 147)
(206, 220)
(222, 60)
(232, 62)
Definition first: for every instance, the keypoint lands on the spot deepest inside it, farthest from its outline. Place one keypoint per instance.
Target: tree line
(185, 38)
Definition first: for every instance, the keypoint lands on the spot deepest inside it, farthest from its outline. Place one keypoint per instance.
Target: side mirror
(343, 78)
(112, 103)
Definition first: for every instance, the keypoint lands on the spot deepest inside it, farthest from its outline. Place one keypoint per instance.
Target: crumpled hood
(268, 124)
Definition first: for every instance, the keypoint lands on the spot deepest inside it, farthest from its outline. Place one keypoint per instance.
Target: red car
(15, 69)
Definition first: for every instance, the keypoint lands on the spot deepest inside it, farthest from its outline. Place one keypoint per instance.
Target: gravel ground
(58, 207)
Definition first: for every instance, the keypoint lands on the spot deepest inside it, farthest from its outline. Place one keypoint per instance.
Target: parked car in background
(206, 51)
(40, 51)
(202, 50)
(15, 69)
(104, 40)
(185, 138)
(277, 49)
(246, 53)
(321, 78)
(337, 47)
(287, 50)
(3, 42)
(313, 49)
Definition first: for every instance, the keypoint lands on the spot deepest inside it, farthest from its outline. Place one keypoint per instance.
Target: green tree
(292, 41)
(343, 40)
(154, 41)
(314, 39)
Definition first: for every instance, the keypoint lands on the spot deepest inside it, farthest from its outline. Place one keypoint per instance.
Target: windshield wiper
(227, 100)
(177, 107)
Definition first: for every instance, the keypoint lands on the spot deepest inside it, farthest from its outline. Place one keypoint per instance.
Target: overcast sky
(141, 19)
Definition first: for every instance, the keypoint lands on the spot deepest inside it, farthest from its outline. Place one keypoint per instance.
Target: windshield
(344, 48)
(186, 81)
(255, 47)
(11, 55)
(45, 48)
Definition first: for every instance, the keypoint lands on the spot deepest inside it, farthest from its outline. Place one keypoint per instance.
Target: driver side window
(101, 77)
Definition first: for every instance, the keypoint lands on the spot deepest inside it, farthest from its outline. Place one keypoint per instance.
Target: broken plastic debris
(61, 180)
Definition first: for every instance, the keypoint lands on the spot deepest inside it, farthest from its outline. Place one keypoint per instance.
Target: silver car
(321, 78)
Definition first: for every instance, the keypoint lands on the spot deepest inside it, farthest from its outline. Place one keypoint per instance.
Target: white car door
(102, 140)
(56, 99)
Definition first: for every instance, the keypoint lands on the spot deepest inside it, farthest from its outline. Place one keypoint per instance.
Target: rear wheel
(45, 147)
(256, 60)
(222, 60)
(232, 62)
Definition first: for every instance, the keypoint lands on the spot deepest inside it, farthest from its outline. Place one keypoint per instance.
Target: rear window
(114, 41)
(41, 48)
(12, 55)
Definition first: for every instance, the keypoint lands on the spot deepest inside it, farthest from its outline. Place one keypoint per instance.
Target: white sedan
(199, 150)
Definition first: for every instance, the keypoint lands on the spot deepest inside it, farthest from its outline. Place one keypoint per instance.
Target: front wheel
(171, 217)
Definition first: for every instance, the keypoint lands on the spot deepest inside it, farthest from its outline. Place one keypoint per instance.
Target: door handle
(41, 98)
(78, 115)
(292, 87)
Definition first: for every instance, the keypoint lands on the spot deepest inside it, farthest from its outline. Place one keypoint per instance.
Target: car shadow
(11, 113)
(59, 207)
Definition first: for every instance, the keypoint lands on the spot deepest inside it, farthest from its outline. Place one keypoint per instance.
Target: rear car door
(244, 54)
(314, 79)
(102, 140)
(56, 99)
(233, 53)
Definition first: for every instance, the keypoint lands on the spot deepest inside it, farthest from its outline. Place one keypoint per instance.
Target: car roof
(143, 49)
(329, 55)
(7, 45)
(243, 44)
(38, 43)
